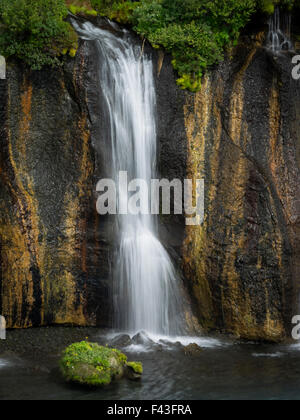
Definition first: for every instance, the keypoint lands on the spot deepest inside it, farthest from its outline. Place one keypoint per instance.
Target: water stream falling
(279, 36)
(146, 289)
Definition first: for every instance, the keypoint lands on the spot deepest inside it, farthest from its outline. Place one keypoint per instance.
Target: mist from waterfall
(145, 282)
(279, 36)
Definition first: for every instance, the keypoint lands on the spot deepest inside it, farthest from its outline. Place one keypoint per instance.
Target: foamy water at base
(4, 363)
(146, 342)
(295, 346)
(268, 355)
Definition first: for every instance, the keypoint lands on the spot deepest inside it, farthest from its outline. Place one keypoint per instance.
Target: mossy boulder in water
(90, 364)
(134, 370)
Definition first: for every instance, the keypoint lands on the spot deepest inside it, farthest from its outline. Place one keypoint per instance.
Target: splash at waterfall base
(139, 202)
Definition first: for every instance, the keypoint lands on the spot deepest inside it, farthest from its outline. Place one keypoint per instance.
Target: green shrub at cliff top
(81, 7)
(195, 32)
(120, 11)
(268, 6)
(35, 31)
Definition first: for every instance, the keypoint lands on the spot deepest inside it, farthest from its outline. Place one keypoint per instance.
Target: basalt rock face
(54, 260)
(243, 138)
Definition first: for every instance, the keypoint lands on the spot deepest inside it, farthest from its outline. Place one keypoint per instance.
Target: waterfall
(279, 36)
(146, 284)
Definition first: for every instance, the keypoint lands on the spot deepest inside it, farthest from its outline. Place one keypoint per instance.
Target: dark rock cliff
(240, 133)
(54, 264)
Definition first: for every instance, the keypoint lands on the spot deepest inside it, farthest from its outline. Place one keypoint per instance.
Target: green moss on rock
(82, 10)
(90, 364)
(136, 366)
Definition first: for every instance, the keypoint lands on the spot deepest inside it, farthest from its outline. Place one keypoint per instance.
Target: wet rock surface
(54, 254)
(192, 350)
(141, 339)
(121, 341)
(36, 342)
(265, 258)
(242, 137)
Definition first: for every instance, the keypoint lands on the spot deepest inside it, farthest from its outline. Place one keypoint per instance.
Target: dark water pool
(224, 370)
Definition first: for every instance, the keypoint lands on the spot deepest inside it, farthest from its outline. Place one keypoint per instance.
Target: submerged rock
(123, 340)
(142, 339)
(134, 370)
(192, 350)
(93, 365)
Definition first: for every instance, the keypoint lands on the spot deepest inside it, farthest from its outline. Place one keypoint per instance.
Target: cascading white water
(146, 290)
(279, 36)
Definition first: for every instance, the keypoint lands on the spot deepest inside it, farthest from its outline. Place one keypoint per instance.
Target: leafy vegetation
(268, 6)
(119, 11)
(195, 32)
(35, 31)
(81, 7)
(136, 366)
